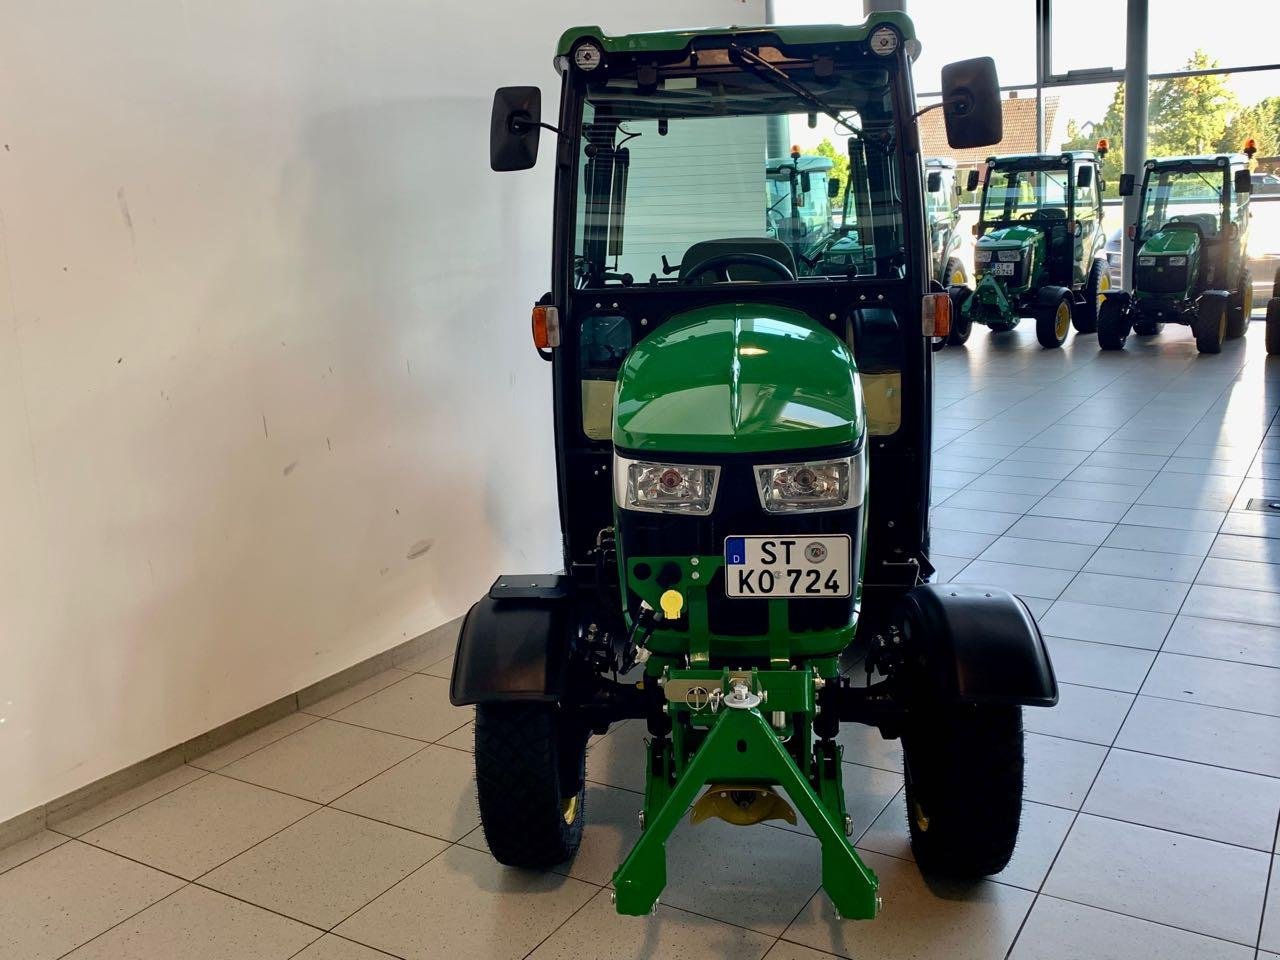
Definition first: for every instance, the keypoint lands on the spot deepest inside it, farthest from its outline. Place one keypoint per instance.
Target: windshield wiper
(765, 70)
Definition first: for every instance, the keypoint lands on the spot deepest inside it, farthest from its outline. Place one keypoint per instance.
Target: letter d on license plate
(783, 566)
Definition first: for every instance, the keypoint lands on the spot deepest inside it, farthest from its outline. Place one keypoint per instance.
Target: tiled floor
(1108, 489)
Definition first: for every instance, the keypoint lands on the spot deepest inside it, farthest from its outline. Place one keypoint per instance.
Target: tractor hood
(1008, 237)
(1171, 242)
(738, 378)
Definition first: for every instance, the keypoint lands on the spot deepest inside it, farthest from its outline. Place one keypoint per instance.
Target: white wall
(263, 340)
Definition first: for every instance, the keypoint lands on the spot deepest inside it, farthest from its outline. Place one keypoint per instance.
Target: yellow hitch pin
(671, 603)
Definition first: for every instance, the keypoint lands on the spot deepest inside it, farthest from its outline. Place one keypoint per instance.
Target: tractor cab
(742, 431)
(942, 210)
(1187, 257)
(799, 190)
(1040, 244)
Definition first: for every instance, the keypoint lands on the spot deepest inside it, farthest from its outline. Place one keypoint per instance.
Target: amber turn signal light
(546, 327)
(935, 315)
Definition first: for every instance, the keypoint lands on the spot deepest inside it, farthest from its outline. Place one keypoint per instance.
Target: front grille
(738, 513)
(1161, 278)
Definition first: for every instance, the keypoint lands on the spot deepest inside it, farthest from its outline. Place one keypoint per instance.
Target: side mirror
(933, 182)
(975, 178)
(1126, 184)
(1244, 184)
(1084, 177)
(833, 188)
(971, 103)
(806, 182)
(514, 128)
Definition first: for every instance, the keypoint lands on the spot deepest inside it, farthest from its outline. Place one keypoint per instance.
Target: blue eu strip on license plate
(735, 550)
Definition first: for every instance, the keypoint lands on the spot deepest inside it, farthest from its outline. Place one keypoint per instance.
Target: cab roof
(1198, 160)
(1012, 159)
(808, 162)
(667, 41)
(946, 163)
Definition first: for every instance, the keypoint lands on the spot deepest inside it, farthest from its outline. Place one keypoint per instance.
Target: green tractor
(942, 208)
(1040, 246)
(743, 461)
(1187, 254)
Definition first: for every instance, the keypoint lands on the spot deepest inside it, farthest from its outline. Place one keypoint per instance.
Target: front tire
(1095, 291)
(1053, 320)
(1240, 307)
(1113, 322)
(1273, 326)
(531, 782)
(964, 772)
(961, 326)
(1210, 326)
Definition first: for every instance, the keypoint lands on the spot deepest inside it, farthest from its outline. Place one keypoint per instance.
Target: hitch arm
(741, 747)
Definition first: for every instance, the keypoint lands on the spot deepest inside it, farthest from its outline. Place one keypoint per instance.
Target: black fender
(1050, 295)
(973, 644)
(514, 642)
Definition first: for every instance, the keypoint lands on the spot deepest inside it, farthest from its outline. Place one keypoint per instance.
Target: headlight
(982, 256)
(1146, 261)
(813, 486)
(664, 487)
(1177, 261)
(1009, 256)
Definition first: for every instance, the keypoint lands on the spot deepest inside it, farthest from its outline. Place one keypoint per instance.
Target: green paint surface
(1007, 237)
(738, 378)
(1171, 242)
(670, 40)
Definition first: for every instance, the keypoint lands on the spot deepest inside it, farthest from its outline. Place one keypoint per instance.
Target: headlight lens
(1009, 256)
(1177, 261)
(1146, 261)
(982, 256)
(813, 486)
(664, 487)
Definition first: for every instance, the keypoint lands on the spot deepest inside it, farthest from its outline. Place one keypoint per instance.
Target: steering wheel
(720, 266)
(1027, 215)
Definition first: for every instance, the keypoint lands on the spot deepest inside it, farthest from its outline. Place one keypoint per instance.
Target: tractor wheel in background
(531, 782)
(956, 275)
(1210, 324)
(1240, 306)
(961, 326)
(1096, 286)
(1113, 321)
(963, 770)
(1273, 326)
(1053, 320)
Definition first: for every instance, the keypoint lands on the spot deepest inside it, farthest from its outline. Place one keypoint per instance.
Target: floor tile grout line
(125, 920)
(54, 829)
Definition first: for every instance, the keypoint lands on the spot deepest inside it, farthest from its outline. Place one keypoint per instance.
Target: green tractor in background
(1040, 246)
(799, 191)
(942, 209)
(1187, 258)
(743, 461)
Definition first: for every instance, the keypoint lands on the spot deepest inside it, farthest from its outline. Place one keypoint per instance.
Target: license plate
(1003, 269)
(800, 566)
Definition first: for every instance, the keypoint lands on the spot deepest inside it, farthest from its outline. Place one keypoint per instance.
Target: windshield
(1183, 196)
(1025, 194)
(727, 169)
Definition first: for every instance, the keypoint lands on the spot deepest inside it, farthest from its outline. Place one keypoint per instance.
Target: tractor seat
(1206, 223)
(704, 250)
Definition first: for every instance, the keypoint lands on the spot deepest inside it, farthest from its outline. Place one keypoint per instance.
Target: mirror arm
(933, 106)
(520, 125)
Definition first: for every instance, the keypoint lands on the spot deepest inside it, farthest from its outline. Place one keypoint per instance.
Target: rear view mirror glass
(513, 128)
(974, 179)
(971, 103)
(1084, 177)
(806, 182)
(1126, 184)
(1243, 182)
(933, 182)
(833, 188)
